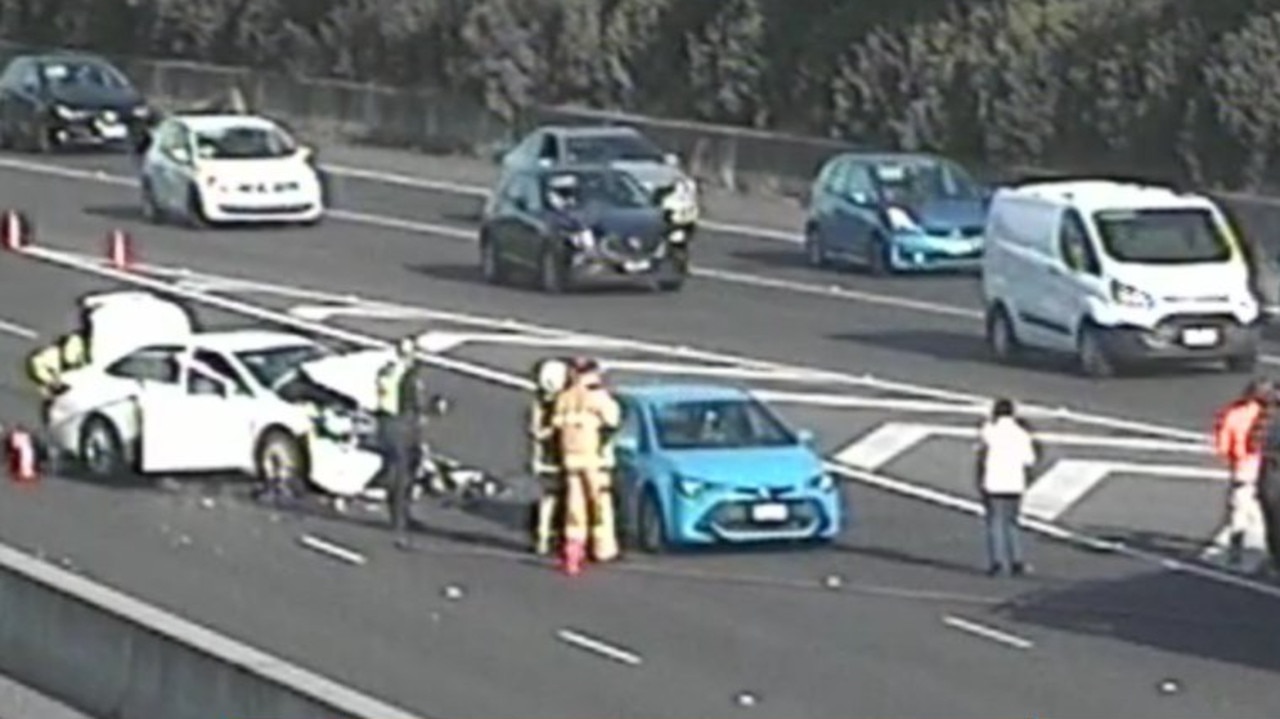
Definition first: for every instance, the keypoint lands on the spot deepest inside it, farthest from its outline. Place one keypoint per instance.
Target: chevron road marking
(1068, 481)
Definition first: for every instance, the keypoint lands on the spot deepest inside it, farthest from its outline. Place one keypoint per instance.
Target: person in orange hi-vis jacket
(586, 416)
(1237, 442)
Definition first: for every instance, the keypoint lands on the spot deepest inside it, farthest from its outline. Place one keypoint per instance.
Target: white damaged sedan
(271, 404)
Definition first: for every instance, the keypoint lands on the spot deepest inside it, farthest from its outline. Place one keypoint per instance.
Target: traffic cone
(16, 230)
(21, 451)
(119, 249)
(575, 553)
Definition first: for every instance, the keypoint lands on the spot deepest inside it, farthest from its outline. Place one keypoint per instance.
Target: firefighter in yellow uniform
(47, 365)
(585, 416)
(550, 378)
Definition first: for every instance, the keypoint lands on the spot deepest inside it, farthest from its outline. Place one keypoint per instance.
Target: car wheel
(1243, 363)
(878, 260)
(101, 450)
(813, 252)
(552, 273)
(279, 459)
(651, 531)
(195, 210)
(1000, 335)
(1093, 359)
(491, 262)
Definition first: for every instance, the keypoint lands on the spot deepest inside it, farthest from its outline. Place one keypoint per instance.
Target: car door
(631, 450)
(527, 220)
(521, 157)
(1071, 280)
(24, 99)
(853, 211)
(206, 426)
(171, 166)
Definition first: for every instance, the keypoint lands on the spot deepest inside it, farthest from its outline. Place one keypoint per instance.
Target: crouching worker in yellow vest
(47, 365)
(550, 377)
(585, 417)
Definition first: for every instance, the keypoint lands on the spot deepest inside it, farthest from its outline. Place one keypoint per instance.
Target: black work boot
(1235, 549)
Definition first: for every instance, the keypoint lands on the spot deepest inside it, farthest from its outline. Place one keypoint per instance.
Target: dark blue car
(895, 213)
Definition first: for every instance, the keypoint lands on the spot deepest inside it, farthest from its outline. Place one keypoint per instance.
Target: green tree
(505, 61)
(1242, 76)
(727, 64)
(629, 35)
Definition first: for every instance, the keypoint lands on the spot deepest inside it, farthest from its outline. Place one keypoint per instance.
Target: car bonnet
(353, 374)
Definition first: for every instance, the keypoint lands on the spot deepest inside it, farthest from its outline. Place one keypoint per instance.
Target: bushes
(1165, 87)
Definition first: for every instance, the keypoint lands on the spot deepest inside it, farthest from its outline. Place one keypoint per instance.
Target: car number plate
(114, 132)
(772, 512)
(1200, 337)
(635, 266)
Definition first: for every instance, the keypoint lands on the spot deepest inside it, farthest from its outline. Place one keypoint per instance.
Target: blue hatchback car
(703, 464)
(895, 213)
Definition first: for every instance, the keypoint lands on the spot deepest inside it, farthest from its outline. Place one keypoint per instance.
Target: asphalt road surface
(913, 629)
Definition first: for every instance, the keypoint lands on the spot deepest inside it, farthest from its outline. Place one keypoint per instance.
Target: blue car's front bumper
(728, 517)
(910, 252)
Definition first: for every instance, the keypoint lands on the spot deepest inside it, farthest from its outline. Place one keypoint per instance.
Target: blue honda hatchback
(896, 213)
(703, 464)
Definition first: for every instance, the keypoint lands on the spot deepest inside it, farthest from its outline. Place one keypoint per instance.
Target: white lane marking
(982, 630)
(872, 479)
(600, 647)
(882, 445)
(331, 549)
(458, 188)
(1067, 482)
(1141, 444)
(17, 330)
(1048, 529)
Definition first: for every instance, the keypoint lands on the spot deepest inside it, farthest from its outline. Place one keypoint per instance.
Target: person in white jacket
(1006, 454)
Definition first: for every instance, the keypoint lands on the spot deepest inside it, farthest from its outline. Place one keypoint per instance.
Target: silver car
(621, 148)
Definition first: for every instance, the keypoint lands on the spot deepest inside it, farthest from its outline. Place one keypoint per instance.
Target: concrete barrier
(112, 656)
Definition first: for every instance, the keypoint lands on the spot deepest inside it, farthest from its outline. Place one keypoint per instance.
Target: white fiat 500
(268, 403)
(213, 169)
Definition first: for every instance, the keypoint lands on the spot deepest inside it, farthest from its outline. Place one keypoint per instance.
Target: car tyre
(878, 260)
(552, 272)
(279, 458)
(1243, 364)
(1092, 357)
(101, 451)
(491, 262)
(651, 531)
(814, 254)
(1001, 337)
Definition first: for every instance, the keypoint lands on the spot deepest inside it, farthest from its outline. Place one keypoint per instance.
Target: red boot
(574, 555)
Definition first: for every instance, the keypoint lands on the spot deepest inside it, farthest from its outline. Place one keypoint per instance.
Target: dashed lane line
(989, 633)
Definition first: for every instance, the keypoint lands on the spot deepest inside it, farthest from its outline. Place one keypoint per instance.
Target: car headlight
(1130, 296)
(901, 221)
(583, 239)
(691, 487)
(68, 113)
(823, 482)
(678, 235)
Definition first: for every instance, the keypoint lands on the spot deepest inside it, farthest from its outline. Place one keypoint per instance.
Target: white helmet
(552, 376)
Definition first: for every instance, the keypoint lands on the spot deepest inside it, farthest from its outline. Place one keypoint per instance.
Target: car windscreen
(619, 147)
(566, 190)
(719, 424)
(83, 73)
(1163, 237)
(270, 366)
(915, 182)
(244, 143)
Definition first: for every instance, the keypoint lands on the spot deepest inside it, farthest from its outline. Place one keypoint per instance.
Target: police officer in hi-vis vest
(585, 417)
(401, 415)
(551, 376)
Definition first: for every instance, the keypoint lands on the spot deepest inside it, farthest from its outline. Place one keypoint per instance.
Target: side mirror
(439, 405)
(671, 159)
(860, 199)
(306, 153)
(806, 437)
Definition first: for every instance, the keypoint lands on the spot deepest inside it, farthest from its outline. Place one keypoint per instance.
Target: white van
(1116, 274)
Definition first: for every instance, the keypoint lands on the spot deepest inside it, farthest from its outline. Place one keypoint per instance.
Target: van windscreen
(1162, 237)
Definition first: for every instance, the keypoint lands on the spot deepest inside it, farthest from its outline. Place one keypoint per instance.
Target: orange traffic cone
(15, 229)
(575, 553)
(21, 449)
(120, 249)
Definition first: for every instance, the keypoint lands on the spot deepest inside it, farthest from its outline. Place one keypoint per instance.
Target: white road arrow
(1069, 480)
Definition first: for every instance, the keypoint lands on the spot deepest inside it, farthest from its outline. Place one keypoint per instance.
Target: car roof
(889, 157)
(665, 392)
(1090, 195)
(223, 121)
(232, 341)
(589, 130)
